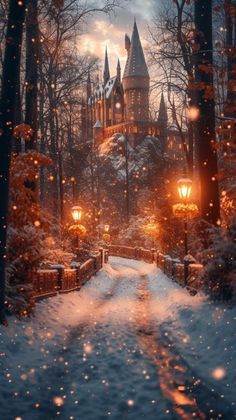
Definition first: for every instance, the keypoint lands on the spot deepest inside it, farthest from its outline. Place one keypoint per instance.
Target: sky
(110, 31)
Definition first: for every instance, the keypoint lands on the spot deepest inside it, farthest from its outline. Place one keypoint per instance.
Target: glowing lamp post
(76, 212)
(72, 178)
(106, 234)
(106, 228)
(184, 190)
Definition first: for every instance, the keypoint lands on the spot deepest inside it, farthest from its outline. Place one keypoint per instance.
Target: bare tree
(63, 72)
(171, 54)
(11, 65)
(31, 76)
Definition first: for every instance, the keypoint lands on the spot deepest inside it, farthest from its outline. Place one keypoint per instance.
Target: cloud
(110, 31)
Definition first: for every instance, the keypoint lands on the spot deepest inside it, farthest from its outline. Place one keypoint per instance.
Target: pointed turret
(136, 81)
(89, 87)
(106, 71)
(127, 43)
(162, 115)
(162, 122)
(98, 133)
(118, 71)
(135, 65)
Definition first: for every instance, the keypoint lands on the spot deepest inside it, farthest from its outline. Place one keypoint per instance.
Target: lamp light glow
(76, 212)
(184, 188)
(106, 228)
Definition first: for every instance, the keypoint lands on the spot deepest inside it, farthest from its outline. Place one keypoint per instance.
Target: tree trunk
(16, 142)
(53, 152)
(230, 10)
(42, 125)
(32, 56)
(61, 189)
(7, 106)
(205, 126)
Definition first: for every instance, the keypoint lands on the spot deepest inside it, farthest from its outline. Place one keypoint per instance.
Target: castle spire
(106, 71)
(127, 43)
(89, 87)
(162, 121)
(118, 70)
(135, 65)
(162, 115)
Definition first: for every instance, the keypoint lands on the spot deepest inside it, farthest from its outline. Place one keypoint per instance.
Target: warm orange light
(193, 113)
(151, 227)
(76, 212)
(184, 188)
(106, 228)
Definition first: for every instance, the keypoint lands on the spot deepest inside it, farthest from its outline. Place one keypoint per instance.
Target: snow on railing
(172, 267)
(136, 253)
(47, 283)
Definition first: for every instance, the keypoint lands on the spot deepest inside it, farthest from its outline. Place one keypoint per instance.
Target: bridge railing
(63, 280)
(136, 253)
(172, 267)
(48, 283)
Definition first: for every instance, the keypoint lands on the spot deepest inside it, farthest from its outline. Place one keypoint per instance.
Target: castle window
(132, 98)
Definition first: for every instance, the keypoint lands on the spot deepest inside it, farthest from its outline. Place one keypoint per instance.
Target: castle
(122, 105)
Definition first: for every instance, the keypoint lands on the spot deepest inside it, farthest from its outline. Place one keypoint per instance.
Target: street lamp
(106, 228)
(106, 234)
(184, 190)
(72, 178)
(76, 212)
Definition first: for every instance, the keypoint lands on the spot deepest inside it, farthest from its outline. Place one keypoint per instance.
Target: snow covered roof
(102, 91)
(109, 86)
(97, 124)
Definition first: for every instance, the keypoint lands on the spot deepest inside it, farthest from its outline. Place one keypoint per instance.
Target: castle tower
(98, 133)
(136, 80)
(89, 86)
(106, 71)
(118, 71)
(162, 122)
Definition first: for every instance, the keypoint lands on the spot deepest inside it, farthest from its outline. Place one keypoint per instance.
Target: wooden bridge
(48, 283)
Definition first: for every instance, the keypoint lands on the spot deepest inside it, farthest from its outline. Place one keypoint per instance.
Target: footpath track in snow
(130, 344)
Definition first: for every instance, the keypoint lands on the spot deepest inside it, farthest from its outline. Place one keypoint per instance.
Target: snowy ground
(130, 345)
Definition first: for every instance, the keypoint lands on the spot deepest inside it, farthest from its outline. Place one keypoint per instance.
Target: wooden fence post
(60, 269)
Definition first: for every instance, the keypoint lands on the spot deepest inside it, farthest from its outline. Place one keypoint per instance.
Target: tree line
(43, 73)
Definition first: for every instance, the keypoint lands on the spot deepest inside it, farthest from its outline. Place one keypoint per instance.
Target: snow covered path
(130, 345)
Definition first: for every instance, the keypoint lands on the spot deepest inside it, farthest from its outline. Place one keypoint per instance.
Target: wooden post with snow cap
(102, 256)
(154, 255)
(60, 269)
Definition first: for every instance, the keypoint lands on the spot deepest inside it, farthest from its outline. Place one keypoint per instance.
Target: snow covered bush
(57, 253)
(28, 228)
(219, 261)
(141, 231)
